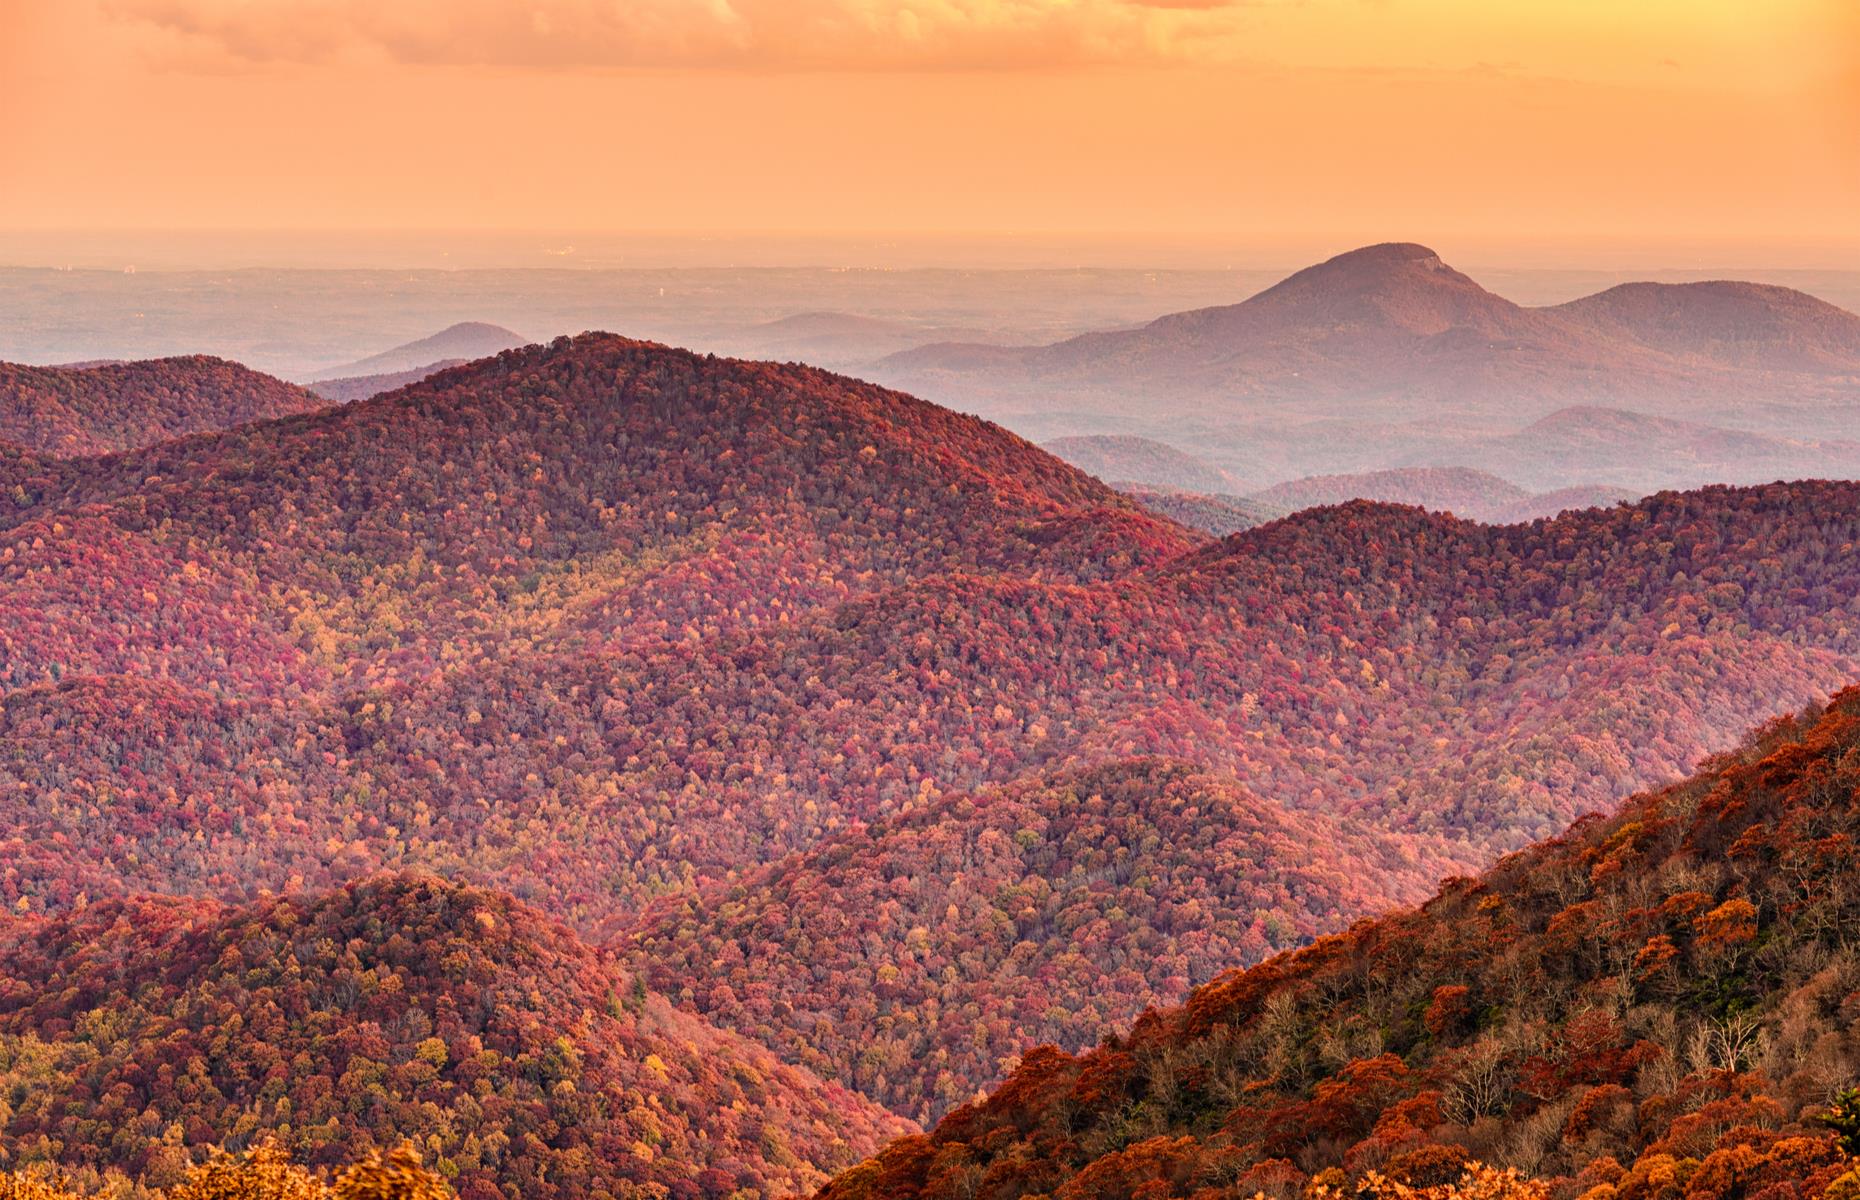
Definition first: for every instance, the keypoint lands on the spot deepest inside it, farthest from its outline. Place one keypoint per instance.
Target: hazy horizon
(199, 249)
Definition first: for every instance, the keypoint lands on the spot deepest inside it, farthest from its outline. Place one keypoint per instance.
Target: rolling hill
(914, 956)
(456, 343)
(1657, 1003)
(108, 407)
(522, 1061)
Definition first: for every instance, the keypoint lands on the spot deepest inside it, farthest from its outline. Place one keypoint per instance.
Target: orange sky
(1705, 119)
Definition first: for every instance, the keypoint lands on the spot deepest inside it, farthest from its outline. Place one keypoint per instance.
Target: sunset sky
(1702, 119)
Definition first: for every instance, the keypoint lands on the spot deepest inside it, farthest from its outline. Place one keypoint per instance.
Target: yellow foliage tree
(396, 1175)
(266, 1172)
(28, 1187)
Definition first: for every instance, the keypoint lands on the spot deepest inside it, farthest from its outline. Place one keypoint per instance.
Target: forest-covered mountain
(915, 956)
(693, 655)
(1660, 1003)
(137, 1034)
(102, 408)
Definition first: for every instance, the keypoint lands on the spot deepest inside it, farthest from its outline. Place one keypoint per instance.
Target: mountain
(523, 1062)
(1479, 495)
(1378, 324)
(1142, 460)
(1620, 448)
(1386, 356)
(463, 341)
(1658, 1003)
(913, 957)
(596, 486)
(108, 407)
(361, 387)
(1743, 325)
(1436, 690)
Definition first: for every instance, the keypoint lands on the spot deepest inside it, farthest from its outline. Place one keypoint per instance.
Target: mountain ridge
(110, 407)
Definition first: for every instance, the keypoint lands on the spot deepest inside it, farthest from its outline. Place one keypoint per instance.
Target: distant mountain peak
(462, 341)
(1387, 265)
(1388, 253)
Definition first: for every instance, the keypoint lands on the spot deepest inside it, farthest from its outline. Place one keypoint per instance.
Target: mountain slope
(909, 959)
(462, 342)
(593, 487)
(66, 412)
(1654, 1004)
(1463, 688)
(403, 1007)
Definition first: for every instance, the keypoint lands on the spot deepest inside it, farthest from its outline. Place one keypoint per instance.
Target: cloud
(805, 35)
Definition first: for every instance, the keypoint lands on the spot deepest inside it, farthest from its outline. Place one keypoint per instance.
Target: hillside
(1387, 357)
(547, 496)
(1655, 1004)
(107, 407)
(1142, 460)
(1339, 662)
(1465, 491)
(525, 1063)
(456, 343)
(914, 957)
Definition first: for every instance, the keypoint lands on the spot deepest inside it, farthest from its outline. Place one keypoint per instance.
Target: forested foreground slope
(137, 1035)
(1657, 1004)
